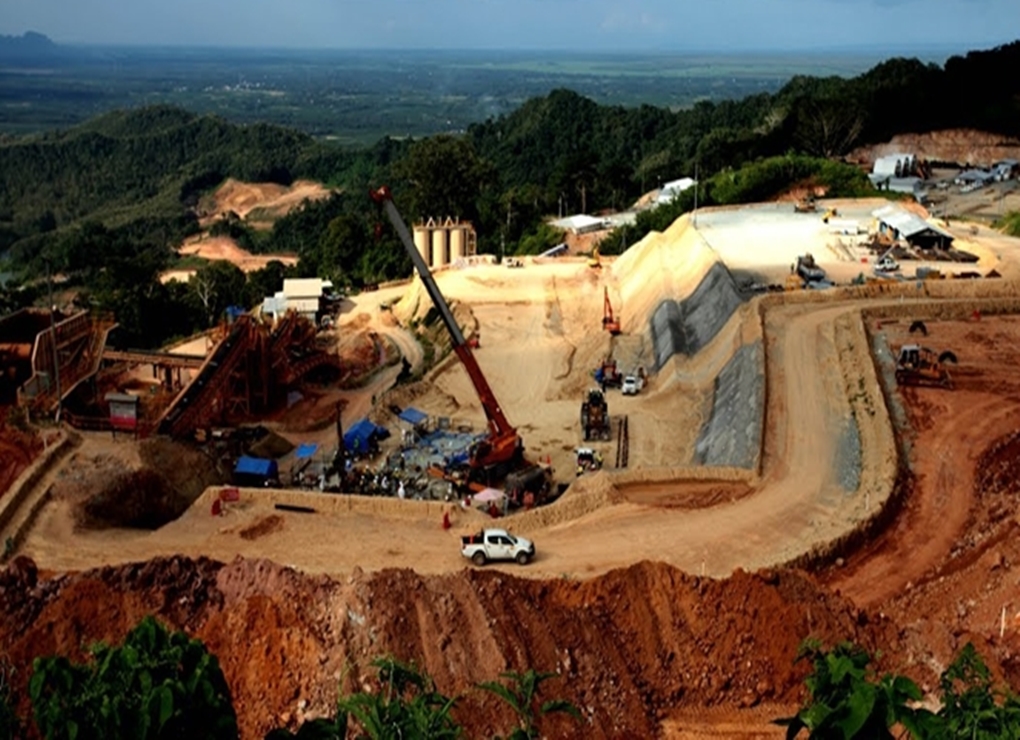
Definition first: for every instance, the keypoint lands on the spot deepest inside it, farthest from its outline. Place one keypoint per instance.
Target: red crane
(503, 445)
(609, 322)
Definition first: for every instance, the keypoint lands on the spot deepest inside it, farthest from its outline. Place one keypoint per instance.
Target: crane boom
(503, 439)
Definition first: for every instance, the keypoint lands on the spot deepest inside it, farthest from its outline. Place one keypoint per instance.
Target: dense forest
(104, 203)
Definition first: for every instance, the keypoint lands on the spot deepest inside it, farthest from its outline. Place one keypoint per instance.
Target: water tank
(457, 250)
(421, 241)
(439, 255)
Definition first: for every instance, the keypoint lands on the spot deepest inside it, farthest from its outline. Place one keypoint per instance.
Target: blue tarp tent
(254, 471)
(413, 416)
(306, 450)
(363, 436)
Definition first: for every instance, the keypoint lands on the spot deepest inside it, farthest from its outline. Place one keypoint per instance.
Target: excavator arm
(503, 440)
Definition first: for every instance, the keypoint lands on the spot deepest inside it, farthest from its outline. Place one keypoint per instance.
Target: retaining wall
(732, 435)
(684, 327)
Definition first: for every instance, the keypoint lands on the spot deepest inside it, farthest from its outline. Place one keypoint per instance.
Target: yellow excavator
(595, 260)
(831, 213)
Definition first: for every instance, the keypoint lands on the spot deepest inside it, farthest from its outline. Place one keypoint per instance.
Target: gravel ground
(732, 435)
(885, 362)
(848, 456)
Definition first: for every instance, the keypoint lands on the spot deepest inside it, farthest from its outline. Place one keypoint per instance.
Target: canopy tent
(255, 466)
(255, 471)
(486, 495)
(413, 416)
(364, 436)
(306, 450)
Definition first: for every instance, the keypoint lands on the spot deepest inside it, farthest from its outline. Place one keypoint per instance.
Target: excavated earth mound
(675, 278)
(632, 646)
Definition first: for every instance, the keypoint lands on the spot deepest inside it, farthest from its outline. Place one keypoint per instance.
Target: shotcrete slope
(676, 289)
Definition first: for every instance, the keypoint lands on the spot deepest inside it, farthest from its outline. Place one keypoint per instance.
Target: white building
(303, 295)
(580, 224)
(895, 165)
(672, 189)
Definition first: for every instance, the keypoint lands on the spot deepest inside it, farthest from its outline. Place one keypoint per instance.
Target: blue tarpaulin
(306, 450)
(362, 434)
(256, 466)
(413, 416)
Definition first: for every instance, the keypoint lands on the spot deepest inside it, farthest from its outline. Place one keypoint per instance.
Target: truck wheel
(478, 558)
(522, 558)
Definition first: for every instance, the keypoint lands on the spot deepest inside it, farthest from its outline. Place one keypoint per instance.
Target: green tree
(158, 684)
(214, 286)
(520, 691)
(446, 175)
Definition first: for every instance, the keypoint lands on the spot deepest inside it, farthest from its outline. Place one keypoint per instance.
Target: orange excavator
(609, 322)
(502, 451)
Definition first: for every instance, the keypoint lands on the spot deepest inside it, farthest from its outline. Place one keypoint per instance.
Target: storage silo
(422, 241)
(439, 256)
(457, 243)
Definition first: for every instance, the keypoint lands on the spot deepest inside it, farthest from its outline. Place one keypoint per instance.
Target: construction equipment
(595, 416)
(808, 269)
(609, 322)
(502, 451)
(595, 261)
(831, 213)
(607, 375)
(917, 365)
(805, 204)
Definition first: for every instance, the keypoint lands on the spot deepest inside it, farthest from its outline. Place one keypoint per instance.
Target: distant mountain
(30, 46)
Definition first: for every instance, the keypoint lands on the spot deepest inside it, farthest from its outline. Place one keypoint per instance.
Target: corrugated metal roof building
(911, 228)
(895, 165)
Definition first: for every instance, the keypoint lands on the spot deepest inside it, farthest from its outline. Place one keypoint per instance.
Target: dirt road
(798, 506)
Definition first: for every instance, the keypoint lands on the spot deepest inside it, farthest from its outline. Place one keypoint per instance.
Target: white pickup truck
(496, 544)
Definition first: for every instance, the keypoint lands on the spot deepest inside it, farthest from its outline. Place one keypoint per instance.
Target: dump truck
(494, 545)
(595, 416)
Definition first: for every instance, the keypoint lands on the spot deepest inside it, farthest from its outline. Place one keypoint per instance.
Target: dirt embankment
(963, 146)
(258, 203)
(17, 450)
(633, 646)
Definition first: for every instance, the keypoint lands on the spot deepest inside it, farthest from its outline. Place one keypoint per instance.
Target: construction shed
(303, 295)
(900, 224)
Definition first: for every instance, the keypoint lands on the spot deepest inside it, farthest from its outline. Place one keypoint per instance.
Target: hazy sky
(603, 25)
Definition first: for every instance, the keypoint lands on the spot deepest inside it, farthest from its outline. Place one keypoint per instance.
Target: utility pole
(694, 218)
(53, 338)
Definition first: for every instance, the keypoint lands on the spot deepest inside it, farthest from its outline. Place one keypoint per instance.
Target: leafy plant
(846, 702)
(10, 725)
(156, 685)
(407, 707)
(521, 694)
(971, 707)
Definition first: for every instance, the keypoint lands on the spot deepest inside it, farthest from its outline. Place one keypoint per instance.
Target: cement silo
(440, 256)
(457, 243)
(423, 241)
